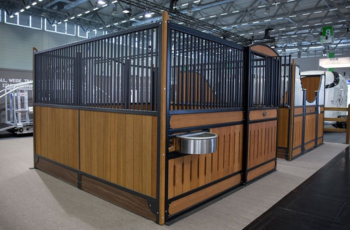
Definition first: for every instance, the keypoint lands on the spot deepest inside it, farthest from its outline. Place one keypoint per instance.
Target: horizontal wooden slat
(200, 119)
(298, 111)
(310, 109)
(262, 114)
(335, 109)
(335, 119)
(334, 130)
(117, 196)
(261, 170)
(203, 194)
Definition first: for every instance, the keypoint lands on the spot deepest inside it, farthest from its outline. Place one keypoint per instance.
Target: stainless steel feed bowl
(196, 143)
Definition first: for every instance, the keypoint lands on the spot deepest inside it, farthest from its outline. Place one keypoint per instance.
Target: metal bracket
(36, 158)
(264, 113)
(79, 181)
(153, 206)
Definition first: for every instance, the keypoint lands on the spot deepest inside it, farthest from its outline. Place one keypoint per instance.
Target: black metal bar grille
(285, 81)
(269, 81)
(114, 72)
(204, 74)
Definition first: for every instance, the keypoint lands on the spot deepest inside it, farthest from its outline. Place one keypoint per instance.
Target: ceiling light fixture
(333, 9)
(72, 17)
(148, 14)
(34, 3)
(126, 10)
(22, 10)
(317, 12)
(27, 7)
(86, 12)
(66, 20)
(40, 0)
(94, 9)
(79, 15)
(306, 14)
(236, 11)
(108, 26)
(101, 2)
(11, 16)
(223, 13)
(114, 2)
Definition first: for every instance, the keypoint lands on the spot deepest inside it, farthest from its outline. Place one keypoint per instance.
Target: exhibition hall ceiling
(291, 26)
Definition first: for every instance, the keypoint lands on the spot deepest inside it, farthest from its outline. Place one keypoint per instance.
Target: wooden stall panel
(310, 109)
(261, 170)
(57, 135)
(298, 111)
(310, 127)
(193, 171)
(283, 128)
(311, 84)
(120, 148)
(204, 194)
(199, 119)
(262, 142)
(298, 131)
(320, 125)
(262, 114)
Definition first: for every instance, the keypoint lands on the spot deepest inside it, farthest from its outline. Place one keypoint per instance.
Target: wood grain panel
(264, 50)
(310, 109)
(57, 171)
(198, 119)
(261, 170)
(283, 128)
(202, 195)
(262, 142)
(117, 196)
(120, 148)
(320, 141)
(57, 132)
(320, 124)
(321, 108)
(259, 114)
(297, 131)
(296, 152)
(298, 111)
(309, 146)
(310, 127)
(193, 171)
(311, 84)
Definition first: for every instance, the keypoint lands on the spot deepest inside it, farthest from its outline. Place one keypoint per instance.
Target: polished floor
(321, 202)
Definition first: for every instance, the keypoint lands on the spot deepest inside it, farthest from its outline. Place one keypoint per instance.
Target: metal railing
(347, 120)
(117, 71)
(205, 72)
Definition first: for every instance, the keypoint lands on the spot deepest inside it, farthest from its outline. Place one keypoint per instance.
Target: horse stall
(158, 119)
(300, 124)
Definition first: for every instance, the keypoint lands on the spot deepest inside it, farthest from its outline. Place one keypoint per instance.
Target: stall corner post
(163, 120)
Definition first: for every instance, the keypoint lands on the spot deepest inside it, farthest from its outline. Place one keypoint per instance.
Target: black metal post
(317, 112)
(303, 125)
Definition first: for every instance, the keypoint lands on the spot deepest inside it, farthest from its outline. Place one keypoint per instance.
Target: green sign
(327, 34)
(328, 31)
(331, 55)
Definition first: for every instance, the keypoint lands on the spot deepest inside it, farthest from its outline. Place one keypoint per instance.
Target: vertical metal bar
(152, 70)
(173, 69)
(179, 82)
(317, 112)
(181, 70)
(201, 48)
(303, 123)
(148, 70)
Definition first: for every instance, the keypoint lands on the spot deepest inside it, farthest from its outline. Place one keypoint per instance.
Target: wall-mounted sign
(340, 62)
(327, 35)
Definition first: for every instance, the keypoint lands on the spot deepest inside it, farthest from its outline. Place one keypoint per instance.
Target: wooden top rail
(347, 120)
(336, 108)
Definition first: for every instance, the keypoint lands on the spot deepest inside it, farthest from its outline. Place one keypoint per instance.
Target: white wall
(16, 45)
